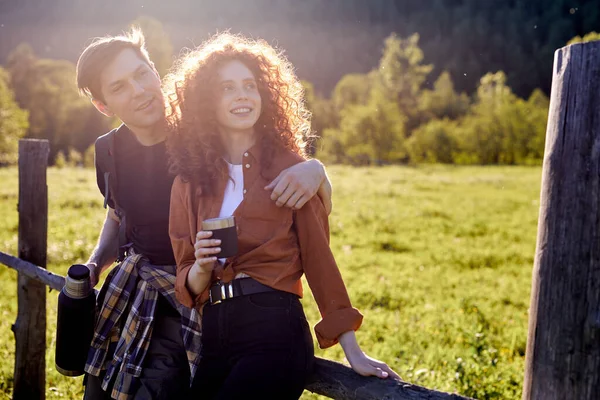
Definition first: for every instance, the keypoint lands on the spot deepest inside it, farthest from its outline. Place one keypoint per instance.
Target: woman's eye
(250, 86)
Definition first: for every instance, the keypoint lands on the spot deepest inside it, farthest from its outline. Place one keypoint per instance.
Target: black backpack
(106, 162)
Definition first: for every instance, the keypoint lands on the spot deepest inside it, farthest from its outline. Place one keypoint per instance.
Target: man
(145, 344)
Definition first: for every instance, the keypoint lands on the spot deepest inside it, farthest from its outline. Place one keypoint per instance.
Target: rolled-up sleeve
(181, 241)
(323, 276)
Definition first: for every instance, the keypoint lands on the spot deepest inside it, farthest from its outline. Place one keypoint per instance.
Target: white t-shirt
(234, 193)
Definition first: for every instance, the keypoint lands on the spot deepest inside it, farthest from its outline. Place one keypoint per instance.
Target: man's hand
(94, 274)
(296, 185)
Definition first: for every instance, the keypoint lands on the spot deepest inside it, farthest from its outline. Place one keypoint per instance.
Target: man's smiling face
(131, 90)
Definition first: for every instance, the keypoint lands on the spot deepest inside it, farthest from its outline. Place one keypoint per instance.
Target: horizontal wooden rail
(338, 381)
(330, 378)
(54, 281)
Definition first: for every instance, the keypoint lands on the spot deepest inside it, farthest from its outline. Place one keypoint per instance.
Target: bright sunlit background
(435, 111)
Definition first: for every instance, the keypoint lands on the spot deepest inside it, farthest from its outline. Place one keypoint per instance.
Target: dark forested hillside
(329, 39)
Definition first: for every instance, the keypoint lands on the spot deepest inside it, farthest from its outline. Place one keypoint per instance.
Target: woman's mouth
(241, 110)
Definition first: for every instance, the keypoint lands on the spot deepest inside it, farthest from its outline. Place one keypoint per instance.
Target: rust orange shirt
(275, 245)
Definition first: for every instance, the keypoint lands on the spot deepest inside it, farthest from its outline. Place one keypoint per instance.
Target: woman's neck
(236, 143)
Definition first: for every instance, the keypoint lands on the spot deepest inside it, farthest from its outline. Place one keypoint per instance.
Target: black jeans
(257, 346)
(166, 372)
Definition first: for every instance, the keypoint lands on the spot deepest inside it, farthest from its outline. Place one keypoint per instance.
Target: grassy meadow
(437, 258)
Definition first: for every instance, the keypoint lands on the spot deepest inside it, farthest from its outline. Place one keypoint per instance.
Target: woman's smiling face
(238, 100)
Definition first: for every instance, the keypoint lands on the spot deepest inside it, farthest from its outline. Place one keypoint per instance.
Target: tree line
(388, 115)
(329, 39)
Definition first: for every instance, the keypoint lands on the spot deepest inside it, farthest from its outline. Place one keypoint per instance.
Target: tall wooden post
(563, 345)
(30, 327)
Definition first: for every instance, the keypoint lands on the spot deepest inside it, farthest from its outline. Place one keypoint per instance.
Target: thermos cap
(77, 282)
(218, 223)
(79, 272)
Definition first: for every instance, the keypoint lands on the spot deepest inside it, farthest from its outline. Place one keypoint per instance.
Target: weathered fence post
(30, 327)
(563, 345)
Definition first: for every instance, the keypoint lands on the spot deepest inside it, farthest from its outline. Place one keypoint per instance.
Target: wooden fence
(330, 378)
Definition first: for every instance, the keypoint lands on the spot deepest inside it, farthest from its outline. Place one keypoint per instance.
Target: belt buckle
(225, 290)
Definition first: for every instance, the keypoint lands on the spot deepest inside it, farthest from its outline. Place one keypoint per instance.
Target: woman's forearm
(350, 345)
(197, 279)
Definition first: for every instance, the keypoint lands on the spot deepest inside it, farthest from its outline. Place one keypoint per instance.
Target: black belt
(238, 287)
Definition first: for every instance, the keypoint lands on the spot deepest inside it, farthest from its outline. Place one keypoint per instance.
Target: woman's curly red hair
(194, 146)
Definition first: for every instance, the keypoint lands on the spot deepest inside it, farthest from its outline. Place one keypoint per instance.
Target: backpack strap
(106, 164)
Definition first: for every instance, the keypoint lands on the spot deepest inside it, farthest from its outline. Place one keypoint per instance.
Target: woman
(238, 119)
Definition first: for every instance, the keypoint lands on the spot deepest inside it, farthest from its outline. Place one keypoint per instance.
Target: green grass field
(437, 258)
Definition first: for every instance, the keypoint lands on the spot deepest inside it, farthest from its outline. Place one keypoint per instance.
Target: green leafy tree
(46, 88)
(75, 158)
(61, 160)
(13, 122)
(323, 114)
(56, 110)
(590, 37)
(537, 119)
(95, 125)
(368, 134)
(401, 75)
(434, 142)
(158, 43)
(502, 128)
(443, 101)
(330, 148)
(482, 132)
(352, 89)
(20, 62)
(89, 157)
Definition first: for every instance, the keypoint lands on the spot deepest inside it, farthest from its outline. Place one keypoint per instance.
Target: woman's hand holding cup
(205, 249)
(199, 275)
(217, 239)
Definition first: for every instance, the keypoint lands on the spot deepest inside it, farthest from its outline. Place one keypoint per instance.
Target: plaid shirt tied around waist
(131, 291)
